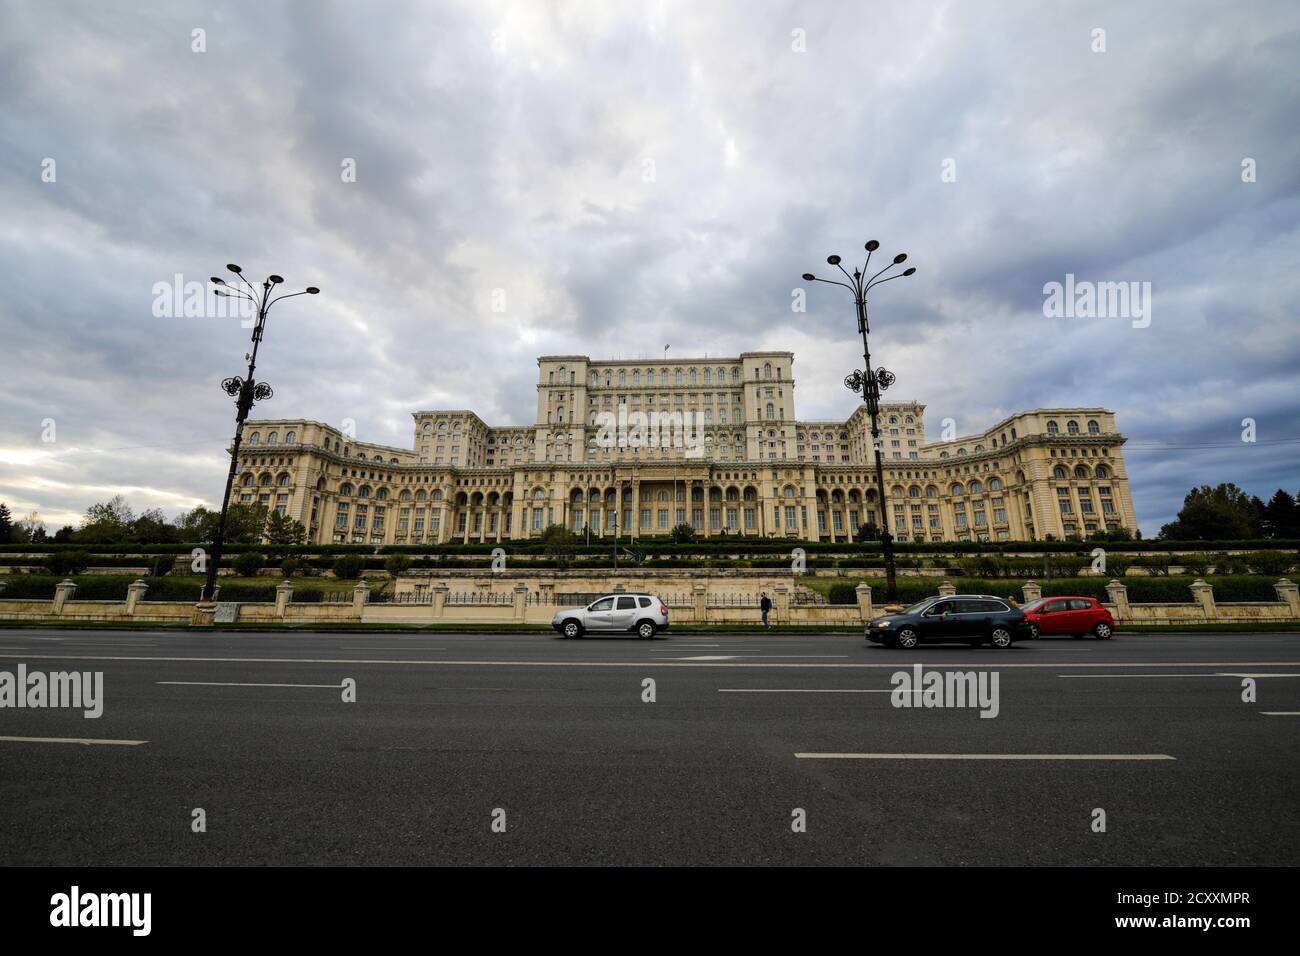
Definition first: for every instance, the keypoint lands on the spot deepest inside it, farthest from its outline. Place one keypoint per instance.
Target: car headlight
(884, 623)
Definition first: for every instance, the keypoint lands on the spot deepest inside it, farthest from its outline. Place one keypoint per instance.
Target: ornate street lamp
(246, 391)
(870, 382)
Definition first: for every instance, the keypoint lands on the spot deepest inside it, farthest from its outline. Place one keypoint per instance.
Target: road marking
(848, 756)
(212, 683)
(1280, 713)
(807, 690)
(704, 657)
(894, 665)
(1257, 675)
(88, 741)
(1216, 674)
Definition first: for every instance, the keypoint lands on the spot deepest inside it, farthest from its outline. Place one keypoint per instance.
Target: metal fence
(480, 599)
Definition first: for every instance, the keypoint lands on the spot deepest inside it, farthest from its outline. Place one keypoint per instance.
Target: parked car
(972, 619)
(643, 614)
(1076, 616)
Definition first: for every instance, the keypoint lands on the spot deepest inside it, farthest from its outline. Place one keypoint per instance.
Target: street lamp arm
(840, 284)
(879, 274)
(288, 296)
(873, 283)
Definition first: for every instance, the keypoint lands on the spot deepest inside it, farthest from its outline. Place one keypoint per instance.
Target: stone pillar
(203, 614)
(1031, 591)
(947, 589)
(1203, 594)
(1118, 596)
(863, 591)
(283, 597)
(360, 596)
(700, 595)
(440, 599)
(781, 603)
(134, 595)
(1288, 594)
(63, 592)
(521, 600)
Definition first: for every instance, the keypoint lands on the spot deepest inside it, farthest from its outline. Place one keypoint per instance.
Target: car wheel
(1103, 631)
(1000, 637)
(907, 638)
(645, 630)
(1033, 632)
(571, 629)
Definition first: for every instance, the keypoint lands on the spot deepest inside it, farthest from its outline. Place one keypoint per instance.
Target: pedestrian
(1012, 601)
(765, 605)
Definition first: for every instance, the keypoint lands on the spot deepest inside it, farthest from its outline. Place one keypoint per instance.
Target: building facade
(751, 468)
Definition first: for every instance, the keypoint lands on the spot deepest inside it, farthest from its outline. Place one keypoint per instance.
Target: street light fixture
(869, 382)
(245, 391)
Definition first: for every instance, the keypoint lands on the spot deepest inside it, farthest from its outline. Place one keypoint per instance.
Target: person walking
(765, 606)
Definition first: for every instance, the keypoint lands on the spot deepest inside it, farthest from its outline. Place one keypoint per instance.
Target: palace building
(755, 469)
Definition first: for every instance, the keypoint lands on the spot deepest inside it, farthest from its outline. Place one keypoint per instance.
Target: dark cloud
(631, 176)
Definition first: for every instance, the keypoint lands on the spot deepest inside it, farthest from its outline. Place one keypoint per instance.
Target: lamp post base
(204, 614)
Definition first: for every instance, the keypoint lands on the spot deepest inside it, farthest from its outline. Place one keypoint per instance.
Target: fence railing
(480, 599)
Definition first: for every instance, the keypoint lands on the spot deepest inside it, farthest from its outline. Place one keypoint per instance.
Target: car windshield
(916, 608)
(1033, 605)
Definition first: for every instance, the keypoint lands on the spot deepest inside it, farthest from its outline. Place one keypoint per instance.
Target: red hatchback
(1076, 616)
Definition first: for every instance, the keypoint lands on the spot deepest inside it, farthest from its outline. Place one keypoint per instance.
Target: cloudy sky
(631, 175)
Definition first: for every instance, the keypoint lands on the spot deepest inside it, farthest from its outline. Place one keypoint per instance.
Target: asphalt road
(446, 729)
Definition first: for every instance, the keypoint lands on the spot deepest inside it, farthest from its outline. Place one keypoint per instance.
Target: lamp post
(245, 391)
(870, 382)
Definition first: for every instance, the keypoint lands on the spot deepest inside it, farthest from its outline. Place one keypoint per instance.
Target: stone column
(1031, 591)
(700, 595)
(440, 599)
(1288, 594)
(947, 589)
(283, 597)
(360, 596)
(134, 595)
(63, 592)
(863, 591)
(1203, 594)
(781, 602)
(521, 600)
(1118, 595)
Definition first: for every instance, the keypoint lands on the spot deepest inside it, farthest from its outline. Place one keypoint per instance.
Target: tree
(107, 522)
(283, 530)
(1282, 516)
(683, 533)
(31, 528)
(245, 523)
(1221, 513)
(867, 532)
(152, 527)
(199, 525)
(559, 543)
(6, 523)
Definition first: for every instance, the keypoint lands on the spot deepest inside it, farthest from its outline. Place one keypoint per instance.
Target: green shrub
(291, 566)
(348, 568)
(397, 564)
(162, 565)
(66, 562)
(1272, 563)
(842, 594)
(249, 563)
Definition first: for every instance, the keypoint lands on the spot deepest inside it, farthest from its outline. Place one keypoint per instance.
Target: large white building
(755, 470)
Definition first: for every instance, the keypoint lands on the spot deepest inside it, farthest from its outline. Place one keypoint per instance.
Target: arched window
(1053, 428)
(955, 489)
(363, 491)
(272, 438)
(1058, 473)
(1103, 471)
(708, 376)
(290, 437)
(254, 439)
(995, 484)
(622, 376)
(1080, 471)
(975, 487)
(1072, 427)
(931, 491)
(679, 377)
(1093, 427)
(692, 376)
(345, 489)
(767, 370)
(771, 410)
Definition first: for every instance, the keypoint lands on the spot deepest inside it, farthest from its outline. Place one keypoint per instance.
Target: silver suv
(643, 613)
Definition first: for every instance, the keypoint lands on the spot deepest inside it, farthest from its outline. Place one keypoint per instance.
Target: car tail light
(663, 610)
